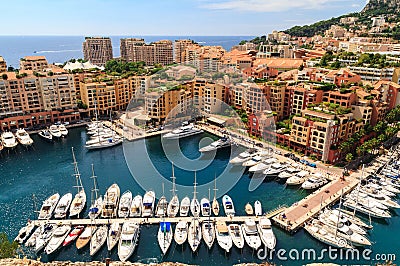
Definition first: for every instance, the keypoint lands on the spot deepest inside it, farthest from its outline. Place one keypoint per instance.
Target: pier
(157, 220)
(294, 217)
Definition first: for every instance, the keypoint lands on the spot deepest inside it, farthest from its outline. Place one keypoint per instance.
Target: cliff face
(387, 6)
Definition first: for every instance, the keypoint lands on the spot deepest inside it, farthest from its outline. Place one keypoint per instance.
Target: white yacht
(97, 200)
(185, 207)
(164, 236)
(335, 217)
(372, 211)
(250, 233)
(148, 204)
(9, 140)
(85, 237)
(45, 134)
(222, 234)
(288, 172)
(125, 204)
(54, 131)
(194, 234)
(63, 130)
(31, 241)
(228, 205)
(184, 131)
(257, 208)
(62, 206)
(46, 211)
(254, 160)
(57, 238)
(316, 230)
(236, 234)
(266, 234)
(205, 207)
(110, 142)
(262, 166)
(25, 232)
(215, 204)
(208, 231)
(128, 240)
(275, 169)
(315, 181)
(162, 205)
(110, 202)
(44, 237)
(243, 157)
(98, 239)
(219, 144)
(23, 137)
(181, 232)
(136, 206)
(298, 178)
(114, 234)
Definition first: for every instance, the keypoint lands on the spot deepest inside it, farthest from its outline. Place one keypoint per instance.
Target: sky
(165, 17)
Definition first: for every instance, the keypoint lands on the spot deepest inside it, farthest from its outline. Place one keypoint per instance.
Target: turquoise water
(48, 168)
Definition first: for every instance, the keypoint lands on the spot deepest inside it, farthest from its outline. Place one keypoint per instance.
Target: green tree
(349, 157)
(7, 249)
(4, 76)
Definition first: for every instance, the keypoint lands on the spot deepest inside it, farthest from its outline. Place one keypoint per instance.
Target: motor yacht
(219, 144)
(128, 240)
(23, 137)
(266, 234)
(229, 208)
(148, 203)
(182, 132)
(110, 202)
(46, 211)
(8, 139)
(54, 131)
(250, 233)
(236, 234)
(125, 204)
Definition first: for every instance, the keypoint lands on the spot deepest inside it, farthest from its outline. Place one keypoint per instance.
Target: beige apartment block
(131, 49)
(100, 93)
(179, 50)
(97, 50)
(34, 63)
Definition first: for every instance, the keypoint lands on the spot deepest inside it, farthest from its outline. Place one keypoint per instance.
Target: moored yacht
(181, 232)
(253, 161)
(62, 207)
(148, 204)
(298, 178)
(74, 234)
(98, 239)
(250, 233)
(173, 205)
(219, 144)
(57, 238)
(45, 134)
(46, 211)
(184, 131)
(194, 234)
(63, 130)
(243, 157)
(208, 231)
(257, 208)
(372, 211)
(228, 205)
(110, 202)
(288, 172)
(164, 236)
(222, 234)
(266, 234)
(315, 181)
(9, 140)
(275, 169)
(205, 207)
(54, 131)
(161, 209)
(44, 237)
(236, 234)
(125, 204)
(136, 206)
(194, 204)
(114, 233)
(318, 232)
(128, 240)
(185, 207)
(85, 237)
(25, 232)
(79, 201)
(23, 137)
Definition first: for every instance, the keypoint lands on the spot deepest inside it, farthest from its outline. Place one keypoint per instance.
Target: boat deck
(155, 220)
(294, 217)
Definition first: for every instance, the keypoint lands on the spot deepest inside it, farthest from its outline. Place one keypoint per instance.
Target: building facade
(97, 50)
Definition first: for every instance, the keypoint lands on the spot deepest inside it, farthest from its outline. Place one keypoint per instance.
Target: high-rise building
(136, 50)
(34, 63)
(179, 50)
(3, 65)
(163, 52)
(131, 49)
(98, 50)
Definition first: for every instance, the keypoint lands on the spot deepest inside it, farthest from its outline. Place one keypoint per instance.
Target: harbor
(293, 197)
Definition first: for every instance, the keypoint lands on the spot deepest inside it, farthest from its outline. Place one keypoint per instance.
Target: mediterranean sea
(27, 177)
(59, 49)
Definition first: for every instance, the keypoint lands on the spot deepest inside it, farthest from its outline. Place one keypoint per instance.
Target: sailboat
(85, 237)
(98, 239)
(173, 206)
(215, 204)
(194, 234)
(113, 236)
(164, 236)
(97, 200)
(185, 207)
(62, 206)
(181, 232)
(223, 238)
(194, 204)
(125, 204)
(208, 228)
(57, 238)
(110, 202)
(44, 237)
(161, 208)
(79, 201)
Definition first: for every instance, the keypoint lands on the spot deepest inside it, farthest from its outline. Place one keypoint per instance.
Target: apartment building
(28, 100)
(374, 74)
(299, 97)
(179, 50)
(320, 134)
(97, 50)
(131, 50)
(163, 52)
(341, 77)
(237, 59)
(128, 89)
(100, 96)
(344, 100)
(3, 65)
(387, 91)
(136, 50)
(256, 99)
(276, 99)
(33, 63)
(277, 51)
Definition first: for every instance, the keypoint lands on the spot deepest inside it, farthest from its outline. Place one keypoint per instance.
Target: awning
(217, 121)
(165, 226)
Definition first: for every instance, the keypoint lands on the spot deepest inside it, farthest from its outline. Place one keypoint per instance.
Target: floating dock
(156, 220)
(294, 217)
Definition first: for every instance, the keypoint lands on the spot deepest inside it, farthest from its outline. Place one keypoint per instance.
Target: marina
(296, 214)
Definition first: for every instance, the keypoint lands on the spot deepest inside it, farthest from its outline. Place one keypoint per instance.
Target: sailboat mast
(173, 181)
(195, 183)
(358, 191)
(215, 186)
(95, 189)
(77, 174)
